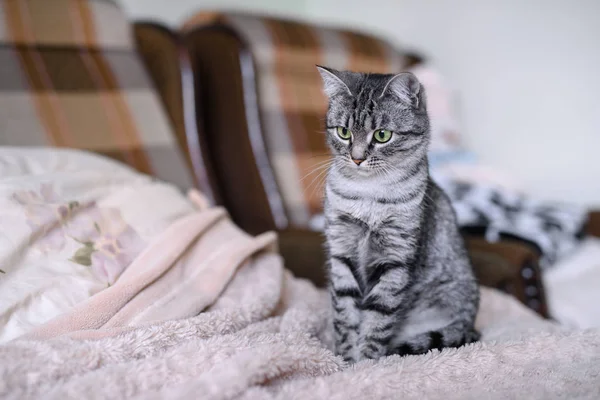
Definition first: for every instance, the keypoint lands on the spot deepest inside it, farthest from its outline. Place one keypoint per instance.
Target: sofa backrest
(262, 91)
(71, 77)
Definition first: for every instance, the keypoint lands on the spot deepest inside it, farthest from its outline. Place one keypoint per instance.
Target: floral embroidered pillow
(70, 223)
(105, 241)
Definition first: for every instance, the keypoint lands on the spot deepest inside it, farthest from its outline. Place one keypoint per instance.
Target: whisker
(321, 174)
(320, 155)
(321, 164)
(319, 185)
(317, 167)
(324, 161)
(315, 170)
(323, 169)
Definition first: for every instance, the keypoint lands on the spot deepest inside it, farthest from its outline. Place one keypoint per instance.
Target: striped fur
(401, 280)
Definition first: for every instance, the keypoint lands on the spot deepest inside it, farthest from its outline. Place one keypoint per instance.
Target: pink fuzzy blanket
(206, 311)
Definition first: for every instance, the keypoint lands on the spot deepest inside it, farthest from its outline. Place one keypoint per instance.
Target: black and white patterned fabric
(556, 229)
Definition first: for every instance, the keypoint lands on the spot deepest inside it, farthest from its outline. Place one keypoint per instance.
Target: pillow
(70, 223)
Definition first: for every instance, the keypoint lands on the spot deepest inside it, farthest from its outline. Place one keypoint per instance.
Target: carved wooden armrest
(511, 267)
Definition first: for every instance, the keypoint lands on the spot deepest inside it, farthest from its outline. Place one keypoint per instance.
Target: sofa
(255, 80)
(115, 284)
(160, 100)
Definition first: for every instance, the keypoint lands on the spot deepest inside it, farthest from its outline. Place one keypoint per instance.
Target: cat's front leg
(345, 297)
(383, 307)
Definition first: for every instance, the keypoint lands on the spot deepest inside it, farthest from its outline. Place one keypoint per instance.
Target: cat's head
(376, 123)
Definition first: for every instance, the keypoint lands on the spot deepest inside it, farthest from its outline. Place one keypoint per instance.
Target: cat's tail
(456, 334)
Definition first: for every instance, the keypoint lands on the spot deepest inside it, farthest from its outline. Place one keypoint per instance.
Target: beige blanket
(205, 311)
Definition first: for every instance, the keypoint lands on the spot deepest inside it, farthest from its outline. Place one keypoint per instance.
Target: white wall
(173, 12)
(528, 73)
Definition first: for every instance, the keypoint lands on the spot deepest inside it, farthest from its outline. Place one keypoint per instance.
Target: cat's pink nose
(357, 162)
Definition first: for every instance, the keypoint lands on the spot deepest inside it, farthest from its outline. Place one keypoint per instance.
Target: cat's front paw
(472, 336)
(371, 351)
(346, 352)
(349, 359)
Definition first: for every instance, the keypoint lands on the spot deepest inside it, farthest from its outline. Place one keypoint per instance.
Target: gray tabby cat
(401, 280)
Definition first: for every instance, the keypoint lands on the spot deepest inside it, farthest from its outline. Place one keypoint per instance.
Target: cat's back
(441, 234)
(438, 211)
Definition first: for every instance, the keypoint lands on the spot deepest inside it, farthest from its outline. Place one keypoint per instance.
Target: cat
(401, 281)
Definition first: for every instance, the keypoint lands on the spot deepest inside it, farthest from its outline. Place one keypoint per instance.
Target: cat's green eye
(344, 133)
(382, 135)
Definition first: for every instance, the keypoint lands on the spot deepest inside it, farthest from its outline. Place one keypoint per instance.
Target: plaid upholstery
(71, 77)
(291, 102)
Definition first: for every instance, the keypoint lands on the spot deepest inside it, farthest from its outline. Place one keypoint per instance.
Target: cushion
(70, 223)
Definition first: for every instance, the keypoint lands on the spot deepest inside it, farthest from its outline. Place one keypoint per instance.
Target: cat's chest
(374, 216)
(373, 231)
(374, 205)
(362, 225)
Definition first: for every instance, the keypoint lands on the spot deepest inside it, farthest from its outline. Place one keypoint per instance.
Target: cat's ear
(332, 82)
(407, 88)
